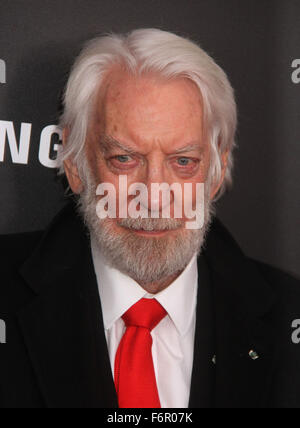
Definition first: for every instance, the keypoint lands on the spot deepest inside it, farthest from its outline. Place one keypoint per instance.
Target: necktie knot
(146, 313)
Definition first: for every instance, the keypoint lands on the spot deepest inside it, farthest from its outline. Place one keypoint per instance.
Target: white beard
(146, 260)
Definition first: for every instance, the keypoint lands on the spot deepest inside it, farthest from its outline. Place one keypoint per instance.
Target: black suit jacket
(56, 354)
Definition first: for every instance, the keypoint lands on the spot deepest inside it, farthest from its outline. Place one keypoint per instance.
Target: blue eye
(183, 161)
(123, 158)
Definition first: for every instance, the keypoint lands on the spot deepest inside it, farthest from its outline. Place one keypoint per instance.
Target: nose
(157, 181)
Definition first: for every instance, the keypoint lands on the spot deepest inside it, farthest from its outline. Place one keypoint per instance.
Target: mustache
(151, 224)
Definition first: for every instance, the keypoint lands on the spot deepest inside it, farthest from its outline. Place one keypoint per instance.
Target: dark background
(254, 41)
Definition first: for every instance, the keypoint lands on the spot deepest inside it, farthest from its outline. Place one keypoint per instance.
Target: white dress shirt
(173, 337)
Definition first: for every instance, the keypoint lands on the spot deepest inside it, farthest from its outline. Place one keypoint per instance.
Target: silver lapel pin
(253, 355)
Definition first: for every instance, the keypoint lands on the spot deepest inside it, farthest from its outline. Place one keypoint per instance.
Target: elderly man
(107, 309)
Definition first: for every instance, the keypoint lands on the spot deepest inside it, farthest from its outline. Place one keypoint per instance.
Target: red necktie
(134, 371)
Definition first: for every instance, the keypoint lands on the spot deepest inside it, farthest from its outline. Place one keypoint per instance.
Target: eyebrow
(108, 142)
(189, 148)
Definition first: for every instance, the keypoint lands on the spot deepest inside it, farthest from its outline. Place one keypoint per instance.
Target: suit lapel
(63, 327)
(242, 300)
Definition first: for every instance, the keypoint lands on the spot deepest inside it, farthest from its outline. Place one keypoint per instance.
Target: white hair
(164, 54)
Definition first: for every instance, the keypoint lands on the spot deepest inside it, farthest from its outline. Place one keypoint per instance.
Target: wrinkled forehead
(148, 108)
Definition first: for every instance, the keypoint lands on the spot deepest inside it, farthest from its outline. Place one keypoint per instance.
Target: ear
(71, 169)
(216, 186)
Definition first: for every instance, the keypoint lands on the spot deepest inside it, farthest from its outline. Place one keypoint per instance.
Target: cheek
(195, 191)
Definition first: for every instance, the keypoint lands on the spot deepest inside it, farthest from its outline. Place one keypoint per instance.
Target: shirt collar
(118, 292)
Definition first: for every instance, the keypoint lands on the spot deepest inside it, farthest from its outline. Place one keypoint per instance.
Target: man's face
(161, 125)
(151, 131)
